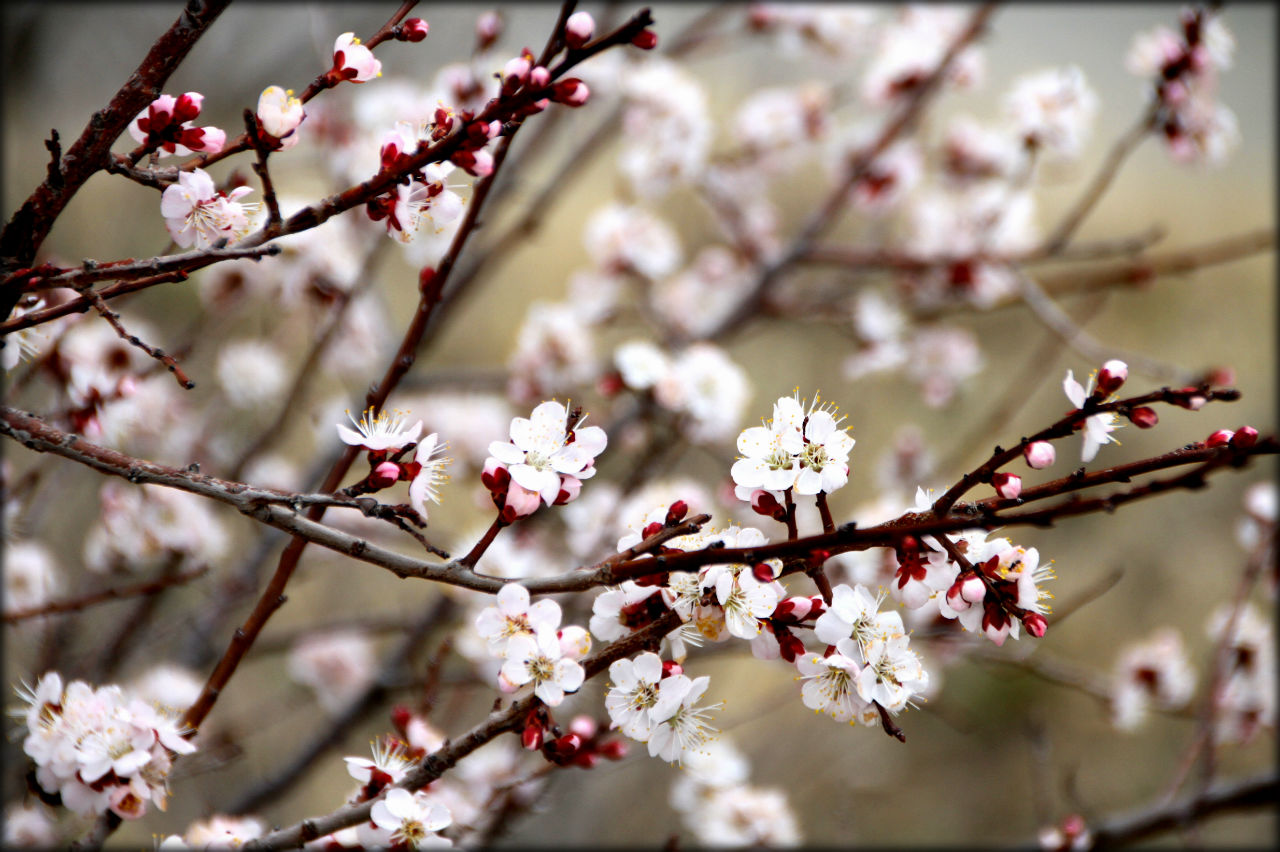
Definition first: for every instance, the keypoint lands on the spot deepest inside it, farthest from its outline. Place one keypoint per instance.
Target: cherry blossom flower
(769, 452)
(430, 474)
(353, 61)
(1097, 428)
(166, 127)
(338, 665)
(1053, 110)
(514, 615)
(1153, 672)
(280, 114)
(391, 762)
(681, 727)
(196, 213)
(831, 682)
(633, 693)
(854, 612)
(405, 820)
(538, 661)
(824, 458)
(893, 674)
(542, 448)
(383, 431)
(745, 601)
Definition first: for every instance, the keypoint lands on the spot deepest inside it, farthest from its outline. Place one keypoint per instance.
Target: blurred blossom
(666, 127)
(622, 237)
(251, 372)
(337, 666)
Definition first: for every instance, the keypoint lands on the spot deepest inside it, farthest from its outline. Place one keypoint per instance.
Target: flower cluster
(1097, 428)
(656, 703)
(420, 197)
(166, 128)
(799, 450)
(539, 657)
(1154, 672)
(99, 749)
(545, 461)
(1184, 67)
(387, 437)
(198, 214)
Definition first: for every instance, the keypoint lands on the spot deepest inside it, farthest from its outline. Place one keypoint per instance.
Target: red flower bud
(676, 512)
(1220, 438)
(790, 647)
(1035, 624)
(531, 737)
(671, 667)
(415, 29)
(578, 29)
(645, 40)
(1007, 485)
(763, 572)
(385, 474)
(614, 750)
(400, 716)
(1245, 436)
(1112, 376)
(1144, 417)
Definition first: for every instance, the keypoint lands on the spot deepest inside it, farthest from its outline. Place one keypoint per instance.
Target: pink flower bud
(1192, 399)
(207, 140)
(1039, 454)
(972, 589)
(584, 726)
(415, 29)
(495, 476)
(645, 40)
(579, 29)
(572, 92)
(353, 61)
(671, 667)
(1220, 438)
(1245, 436)
(187, 106)
(520, 503)
(955, 597)
(1112, 376)
(539, 77)
(1035, 624)
(1007, 485)
(1144, 417)
(385, 474)
(570, 487)
(488, 29)
(516, 72)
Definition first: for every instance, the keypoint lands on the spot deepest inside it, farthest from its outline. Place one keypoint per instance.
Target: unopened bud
(572, 92)
(414, 29)
(400, 716)
(1190, 399)
(676, 512)
(671, 667)
(645, 40)
(187, 107)
(1035, 624)
(1144, 417)
(1245, 436)
(613, 750)
(763, 572)
(1220, 438)
(495, 476)
(584, 726)
(1039, 454)
(1112, 376)
(385, 474)
(539, 77)
(488, 29)
(1007, 485)
(531, 737)
(570, 487)
(579, 29)
(790, 647)
(516, 72)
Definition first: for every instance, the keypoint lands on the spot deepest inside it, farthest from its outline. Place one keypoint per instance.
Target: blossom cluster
(99, 749)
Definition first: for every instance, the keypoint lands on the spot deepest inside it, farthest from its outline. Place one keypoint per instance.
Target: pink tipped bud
(584, 726)
(1245, 436)
(415, 29)
(764, 503)
(385, 474)
(1144, 417)
(1035, 624)
(579, 29)
(645, 40)
(955, 597)
(570, 487)
(516, 72)
(1191, 399)
(1007, 485)
(972, 589)
(817, 606)
(1039, 454)
(187, 106)
(572, 92)
(763, 572)
(676, 512)
(539, 77)
(613, 750)
(671, 667)
(1220, 438)
(1112, 376)
(531, 737)
(488, 29)
(520, 502)
(495, 476)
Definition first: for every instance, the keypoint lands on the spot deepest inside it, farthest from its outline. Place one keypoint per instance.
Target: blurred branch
(1256, 793)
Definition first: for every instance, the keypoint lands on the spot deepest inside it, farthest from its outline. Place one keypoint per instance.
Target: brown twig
(115, 593)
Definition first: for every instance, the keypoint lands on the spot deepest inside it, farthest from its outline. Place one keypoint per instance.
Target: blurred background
(996, 751)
